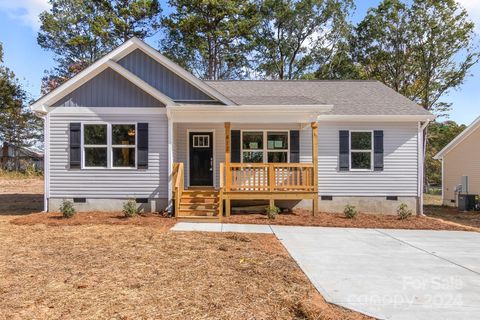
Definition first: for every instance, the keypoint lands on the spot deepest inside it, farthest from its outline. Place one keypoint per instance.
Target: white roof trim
(140, 83)
(375, 118)
(42, 104)
(179, 71)
(458, 139)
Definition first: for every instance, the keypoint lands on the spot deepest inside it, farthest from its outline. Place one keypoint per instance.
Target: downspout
(421, 164)
(170, 160)
(46, 161)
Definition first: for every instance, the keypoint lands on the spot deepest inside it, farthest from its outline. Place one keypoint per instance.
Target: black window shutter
(142, 145)
(378, 150)
(235, 146)
(294, 146)
(344, 144)
(75, 145)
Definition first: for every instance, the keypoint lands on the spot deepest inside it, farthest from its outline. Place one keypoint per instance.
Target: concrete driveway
(391, 274)
(387, 274)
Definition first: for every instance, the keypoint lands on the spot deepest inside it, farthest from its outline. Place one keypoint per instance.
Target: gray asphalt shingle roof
(348, 97)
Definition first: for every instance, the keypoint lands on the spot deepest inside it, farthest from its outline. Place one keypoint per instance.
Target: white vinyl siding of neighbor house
(398, 178)
(116, 183)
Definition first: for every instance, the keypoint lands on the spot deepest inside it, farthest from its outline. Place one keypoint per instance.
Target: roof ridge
(293, 80)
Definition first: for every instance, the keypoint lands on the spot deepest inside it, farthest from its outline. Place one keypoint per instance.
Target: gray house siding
(161, 78)
(400, 174)
(108, 89)
(108, 183)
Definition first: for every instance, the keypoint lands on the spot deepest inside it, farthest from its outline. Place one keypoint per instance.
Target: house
(461, 158)
(135, 125)
(27, 158)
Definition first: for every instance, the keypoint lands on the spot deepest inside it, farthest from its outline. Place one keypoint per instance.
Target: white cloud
(473, 9)
(26, 11)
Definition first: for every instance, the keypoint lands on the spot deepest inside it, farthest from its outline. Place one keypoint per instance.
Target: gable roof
(458, 139)
(110, 61)
(351, 97)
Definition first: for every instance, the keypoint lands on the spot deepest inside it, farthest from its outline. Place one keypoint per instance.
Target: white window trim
(350, 150)
(265, 149)
(109, 145)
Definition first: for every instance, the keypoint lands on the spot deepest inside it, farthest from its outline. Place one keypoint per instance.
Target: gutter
(421, 163)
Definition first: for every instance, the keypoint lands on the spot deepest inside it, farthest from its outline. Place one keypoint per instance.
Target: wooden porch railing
(267, 177)
(177, 184)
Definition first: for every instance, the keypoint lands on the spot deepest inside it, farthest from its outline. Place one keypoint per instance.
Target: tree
(294, 36)
(18, 125)
(80, 32)
(210, 38)
(422, 50)
(439, 135)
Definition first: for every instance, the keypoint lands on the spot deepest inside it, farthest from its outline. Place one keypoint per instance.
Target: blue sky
(18, 33)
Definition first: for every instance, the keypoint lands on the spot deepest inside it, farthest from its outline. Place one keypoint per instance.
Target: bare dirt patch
(470, 218)
(362, 220)
(20, 196)
(135, 272)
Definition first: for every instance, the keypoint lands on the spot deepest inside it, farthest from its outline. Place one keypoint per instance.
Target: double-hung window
(95, 145)
(361, 150)
(109, 145)
(265, 146)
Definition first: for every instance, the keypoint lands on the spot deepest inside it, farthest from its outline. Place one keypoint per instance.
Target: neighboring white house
(118, 129)
(461, 158)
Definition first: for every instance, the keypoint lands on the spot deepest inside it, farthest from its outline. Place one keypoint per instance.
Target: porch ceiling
(247, 114)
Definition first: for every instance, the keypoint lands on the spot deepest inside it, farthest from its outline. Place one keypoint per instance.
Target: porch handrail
(177, 184)
(268, 177)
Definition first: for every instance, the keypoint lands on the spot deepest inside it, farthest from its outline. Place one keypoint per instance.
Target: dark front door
(201, 158)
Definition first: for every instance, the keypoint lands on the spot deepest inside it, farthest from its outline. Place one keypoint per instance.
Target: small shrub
(350, 211)
(403, 212)
(130, 208)
(67, 209)
(272, 212)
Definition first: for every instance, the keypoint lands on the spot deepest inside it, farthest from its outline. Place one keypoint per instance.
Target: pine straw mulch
(159, 221)
(136, 272)
(362, 220)
(453, 215)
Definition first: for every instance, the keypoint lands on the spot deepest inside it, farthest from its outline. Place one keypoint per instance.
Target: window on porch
(265, 146)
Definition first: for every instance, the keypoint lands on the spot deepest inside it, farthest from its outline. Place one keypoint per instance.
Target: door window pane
(277, 140)
(278, 157)
(95, 134)
(252, 140)
(123, 157)
(253, 156)
(361, 140)
(123, 134)
(361, 160)
(95, 157)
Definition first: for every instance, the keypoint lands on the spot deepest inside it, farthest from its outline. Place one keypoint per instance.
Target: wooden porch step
(198, 219)
(199, 203)
(198, 206)
(190, 200)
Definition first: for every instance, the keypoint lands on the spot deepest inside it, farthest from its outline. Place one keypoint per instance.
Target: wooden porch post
(314, 126)
(227, 166)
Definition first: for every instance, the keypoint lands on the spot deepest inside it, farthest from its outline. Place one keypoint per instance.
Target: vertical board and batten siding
(108, 89)
(161, 78)
(108, 183)
(400, 173)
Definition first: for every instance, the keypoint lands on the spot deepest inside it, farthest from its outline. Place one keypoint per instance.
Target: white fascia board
(375, 118)
(140, 83)
(462, 136)
(182, 73)
(87, 74)
(246, 114)
(107, 110)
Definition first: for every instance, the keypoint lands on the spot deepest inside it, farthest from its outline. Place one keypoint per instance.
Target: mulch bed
(470, 218)
(160, 222)
(362, 220)
(104, 271)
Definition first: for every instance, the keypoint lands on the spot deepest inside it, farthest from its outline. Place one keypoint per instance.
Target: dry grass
(20, 196)
(432, 199)
(362, 220)
(449, 214)
(137, 272)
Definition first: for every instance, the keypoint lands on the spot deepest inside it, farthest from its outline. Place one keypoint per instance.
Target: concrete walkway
(388, 274)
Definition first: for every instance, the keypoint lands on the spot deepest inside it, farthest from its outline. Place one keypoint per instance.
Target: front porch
(264, 180)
